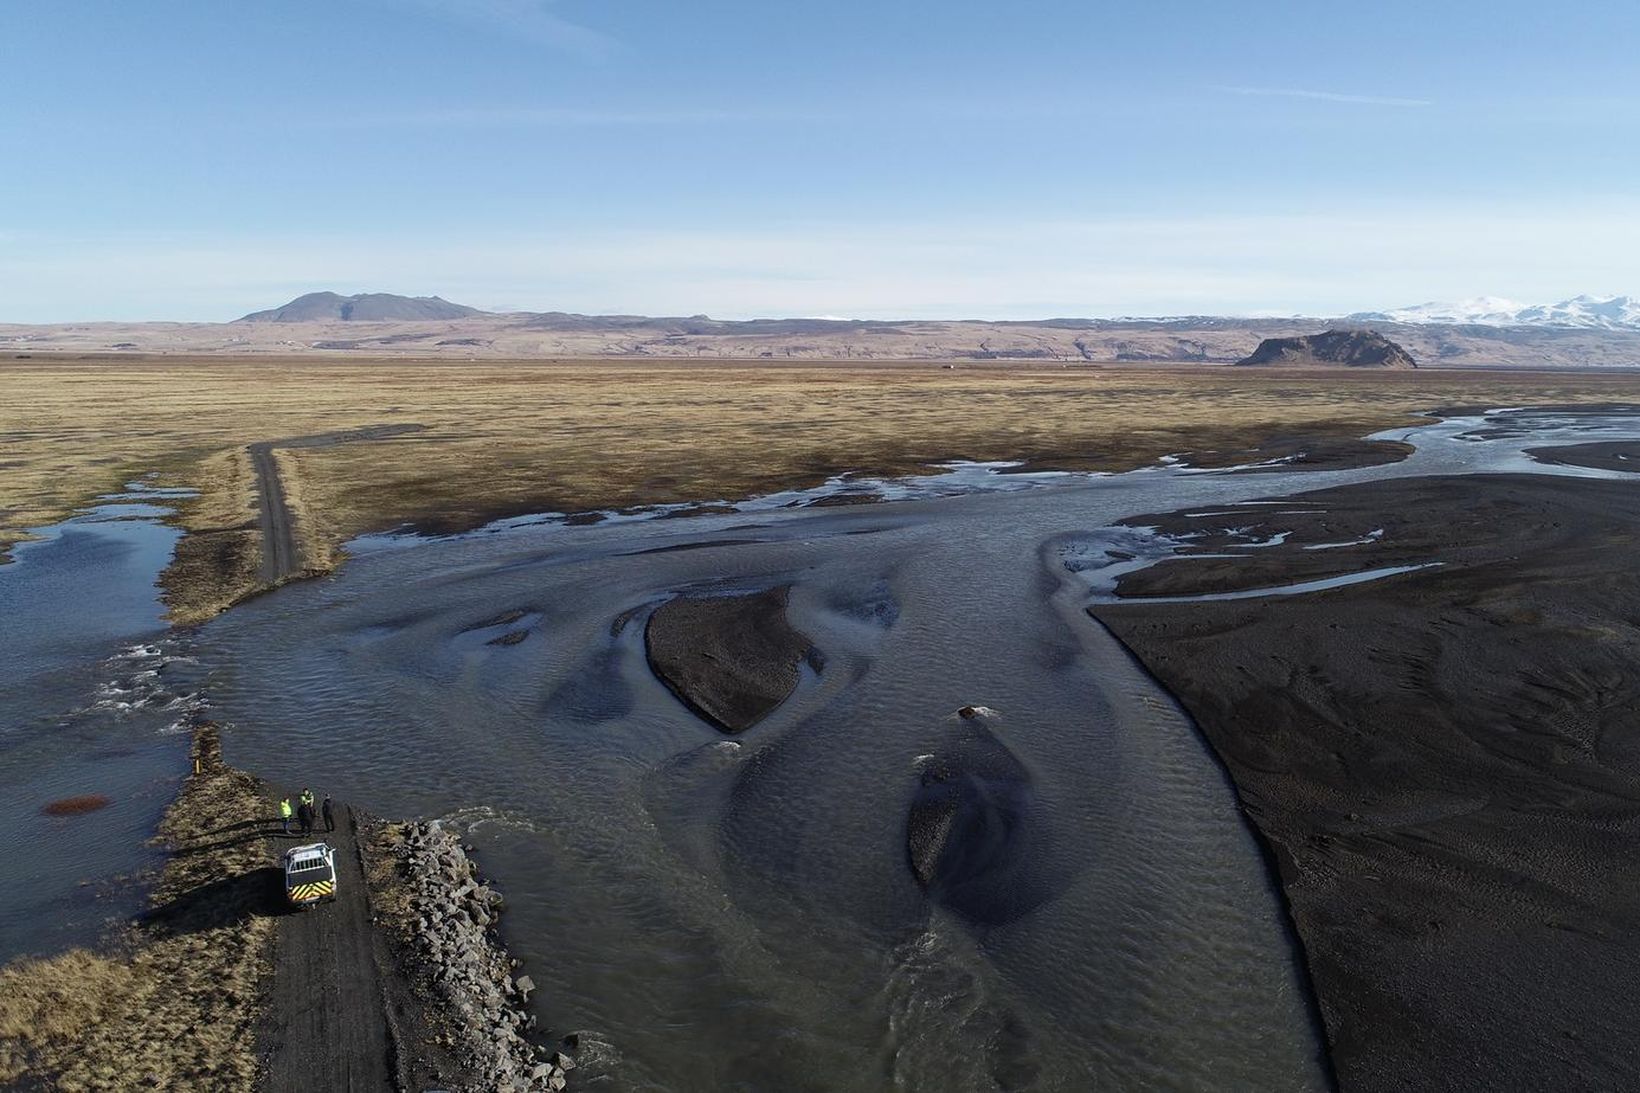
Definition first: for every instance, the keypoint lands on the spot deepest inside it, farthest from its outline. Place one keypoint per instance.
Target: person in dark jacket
(330, 815)
(304, 817)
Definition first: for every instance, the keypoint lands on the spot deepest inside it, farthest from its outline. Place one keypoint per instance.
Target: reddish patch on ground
(77, 806)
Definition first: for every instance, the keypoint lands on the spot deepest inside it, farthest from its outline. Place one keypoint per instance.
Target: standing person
(304, 816)
(330, 817)
(284, 813)
(307, 796)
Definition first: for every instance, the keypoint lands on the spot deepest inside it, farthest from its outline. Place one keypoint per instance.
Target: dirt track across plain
(281, 553)
(327, 1026)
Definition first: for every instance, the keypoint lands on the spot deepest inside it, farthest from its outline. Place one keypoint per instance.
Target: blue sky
(195, 160)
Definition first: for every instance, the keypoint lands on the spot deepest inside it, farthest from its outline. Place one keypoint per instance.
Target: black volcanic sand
(731, 658)
(1517, 423)
(968, 832)
(1316, 451)
(1608, 455)
(1319, 453)
(1445, 766)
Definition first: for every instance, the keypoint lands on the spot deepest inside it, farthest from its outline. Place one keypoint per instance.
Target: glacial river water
(714, 913)
(84, 710)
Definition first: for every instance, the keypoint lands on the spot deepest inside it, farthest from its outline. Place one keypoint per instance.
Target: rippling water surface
(715, 913)
(86, 708)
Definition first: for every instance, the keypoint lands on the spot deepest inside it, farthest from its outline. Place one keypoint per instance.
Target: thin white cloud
(1325, 96)
(530, 19)
(504, 117)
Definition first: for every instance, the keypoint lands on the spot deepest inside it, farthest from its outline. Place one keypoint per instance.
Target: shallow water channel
(712, 913)
(85, 709)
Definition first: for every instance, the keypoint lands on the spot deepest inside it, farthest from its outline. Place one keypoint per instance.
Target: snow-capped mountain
(1586, 312)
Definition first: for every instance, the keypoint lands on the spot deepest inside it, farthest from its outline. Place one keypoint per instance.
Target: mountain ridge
(1052, 343)
(1579, 312)
(362, 307)
(1583, 312)
(436, 328)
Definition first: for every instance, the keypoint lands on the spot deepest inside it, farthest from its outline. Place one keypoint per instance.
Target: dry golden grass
(217, 563)
(173, 1005)
(512, 437)
(48, 1004)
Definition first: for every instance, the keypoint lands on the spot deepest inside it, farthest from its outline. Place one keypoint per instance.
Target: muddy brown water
(710, 913)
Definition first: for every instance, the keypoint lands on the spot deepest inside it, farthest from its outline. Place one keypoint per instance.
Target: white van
(310, 874)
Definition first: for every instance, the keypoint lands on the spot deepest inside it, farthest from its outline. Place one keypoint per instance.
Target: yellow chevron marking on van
(313, 891)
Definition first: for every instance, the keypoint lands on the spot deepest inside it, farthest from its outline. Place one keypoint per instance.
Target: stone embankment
(452, 916)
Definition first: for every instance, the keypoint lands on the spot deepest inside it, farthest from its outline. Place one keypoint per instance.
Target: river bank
(442, 917)
(171, 1000)
(355, 447)
(1443, 762)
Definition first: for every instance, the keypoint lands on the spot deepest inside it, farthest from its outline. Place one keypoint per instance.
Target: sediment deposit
(1443, 763)
(732, 658)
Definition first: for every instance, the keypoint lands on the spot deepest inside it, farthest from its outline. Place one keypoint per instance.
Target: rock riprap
(453, 917)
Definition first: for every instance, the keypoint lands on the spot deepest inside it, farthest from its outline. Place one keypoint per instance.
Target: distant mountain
(1202, 340)
(369, 307)
(1347, 348)
(1580, 312)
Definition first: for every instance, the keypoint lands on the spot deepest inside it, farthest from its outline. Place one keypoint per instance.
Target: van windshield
(308, 870)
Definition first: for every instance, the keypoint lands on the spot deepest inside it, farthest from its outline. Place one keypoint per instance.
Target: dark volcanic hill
(1348, 348)
(370, 307)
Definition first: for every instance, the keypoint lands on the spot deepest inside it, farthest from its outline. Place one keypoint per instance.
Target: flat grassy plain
(502, 438)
